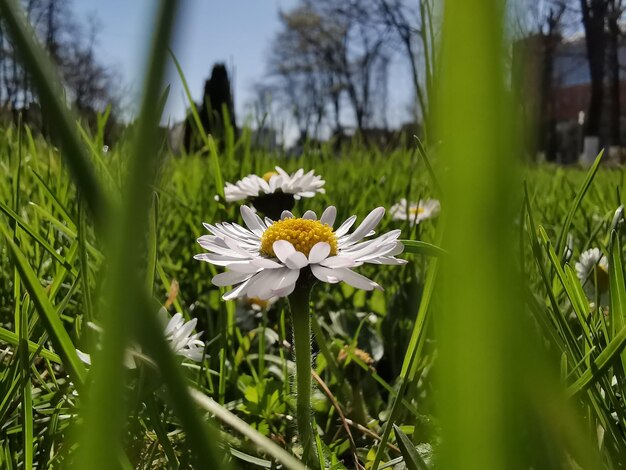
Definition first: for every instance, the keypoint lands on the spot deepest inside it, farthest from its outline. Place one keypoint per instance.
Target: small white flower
(299, 185)
(415, 212)
(181, 338)
(265, 259)
(178, 333)
(588, 261)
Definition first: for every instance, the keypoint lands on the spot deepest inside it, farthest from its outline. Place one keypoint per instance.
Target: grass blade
(423, 248)
(560, 245)
(412, 459)
(600, 364)
(262, 442)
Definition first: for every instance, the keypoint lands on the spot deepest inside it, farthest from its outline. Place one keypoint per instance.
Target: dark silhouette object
(594, 13)
(217, 112)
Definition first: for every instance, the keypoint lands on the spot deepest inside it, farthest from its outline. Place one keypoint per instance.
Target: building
(551, 74)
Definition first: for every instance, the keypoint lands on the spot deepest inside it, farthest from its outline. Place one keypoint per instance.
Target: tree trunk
(547, 123)
(614, 79)
(594, 17)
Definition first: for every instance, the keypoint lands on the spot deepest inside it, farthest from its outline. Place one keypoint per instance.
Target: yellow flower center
(416, 210)
(267, 176)
(303, 234)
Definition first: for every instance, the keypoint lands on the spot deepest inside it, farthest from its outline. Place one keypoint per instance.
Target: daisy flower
(265, 259)
(181, 338)
(178, 333)
(415, 213)
(276, 190)
(590, 260)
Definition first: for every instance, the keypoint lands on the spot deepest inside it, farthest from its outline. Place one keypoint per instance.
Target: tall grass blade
(584, 187)
(479, 325)
(412, 458)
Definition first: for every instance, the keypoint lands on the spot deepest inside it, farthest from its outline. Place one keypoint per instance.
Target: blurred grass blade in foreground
(488, 357)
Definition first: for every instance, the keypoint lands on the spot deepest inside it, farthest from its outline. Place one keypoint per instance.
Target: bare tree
(412, 23)
(90, 82)
(594, 19)
(72, 47)
(550, 38)
(328, 52)
(301, 80)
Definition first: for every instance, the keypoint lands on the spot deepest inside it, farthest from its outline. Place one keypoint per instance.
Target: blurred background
(297, 70)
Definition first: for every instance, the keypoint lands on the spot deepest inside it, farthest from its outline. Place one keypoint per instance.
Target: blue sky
(237, 32)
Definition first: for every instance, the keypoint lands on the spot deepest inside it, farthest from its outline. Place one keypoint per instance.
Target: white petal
(174, 323)
(263, 283)
(217, 260)
(329, 215)
(339, 262)
(247, 266)
(319, 252)
(252, 221)
(285, 291)
(286, 215)
(325, 274)
(232, 244)
(283, 249)
(398, 249)
(371, 221)
(84, 357)
(297, 260)
(357, 280)
(310, 215)
(288, 277)
(343, 228)
(281, 172)
(238, 291)
(229, 278)
(266, 263)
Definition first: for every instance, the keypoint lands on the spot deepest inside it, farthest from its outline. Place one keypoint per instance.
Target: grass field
(248, 361)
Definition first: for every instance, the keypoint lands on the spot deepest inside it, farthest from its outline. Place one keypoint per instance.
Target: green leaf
(412, 458)
(419, 247)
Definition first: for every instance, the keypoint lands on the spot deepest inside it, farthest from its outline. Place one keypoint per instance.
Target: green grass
(488, 352)
(255, 379)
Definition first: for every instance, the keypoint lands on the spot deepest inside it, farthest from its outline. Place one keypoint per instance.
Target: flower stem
(301, 320)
